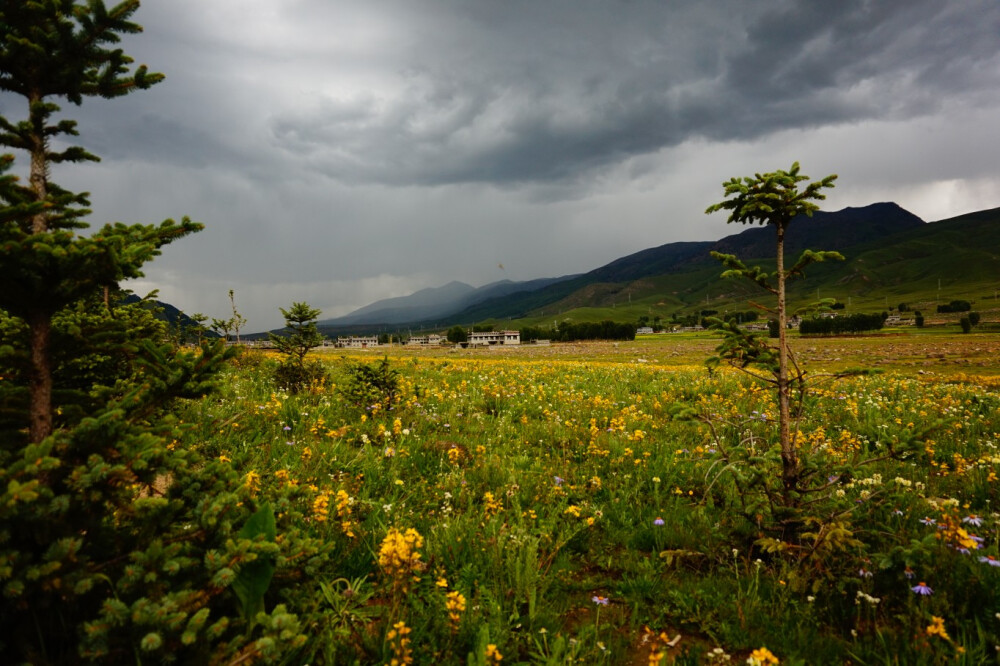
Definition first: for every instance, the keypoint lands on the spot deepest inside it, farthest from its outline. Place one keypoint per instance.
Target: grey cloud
(577, 91)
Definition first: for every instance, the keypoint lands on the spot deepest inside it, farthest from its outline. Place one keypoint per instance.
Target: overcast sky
(340, 152)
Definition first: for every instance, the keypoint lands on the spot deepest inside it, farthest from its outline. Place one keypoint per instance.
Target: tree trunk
(789, 459)
(40, 378)
(39, 320)
(38, 176)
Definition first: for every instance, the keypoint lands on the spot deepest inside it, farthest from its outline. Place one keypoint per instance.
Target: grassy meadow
(585, 504)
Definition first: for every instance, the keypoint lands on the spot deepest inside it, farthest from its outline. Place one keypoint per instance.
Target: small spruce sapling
(802, 506)
(300, 336)
(772, 199)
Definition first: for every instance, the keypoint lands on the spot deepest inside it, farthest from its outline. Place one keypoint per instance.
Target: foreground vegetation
(555, 506)
(561, 509)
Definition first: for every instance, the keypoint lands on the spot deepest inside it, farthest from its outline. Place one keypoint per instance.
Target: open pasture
(586, 504)
(906, 351)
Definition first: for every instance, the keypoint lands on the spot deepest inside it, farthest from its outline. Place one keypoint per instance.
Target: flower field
(613, 504)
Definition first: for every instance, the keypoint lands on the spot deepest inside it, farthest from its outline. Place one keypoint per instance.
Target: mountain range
(891, 255)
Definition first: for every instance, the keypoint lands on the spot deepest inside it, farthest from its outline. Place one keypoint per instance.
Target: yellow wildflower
(251, 482)
(491, 505)
(399, 555)
(321, 507)
(399, 642)
(658, 645)
(455, 605)
(493, 655)
(936, 628)
(762, 657)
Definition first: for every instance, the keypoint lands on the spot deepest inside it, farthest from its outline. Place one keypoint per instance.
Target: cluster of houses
(476, 339)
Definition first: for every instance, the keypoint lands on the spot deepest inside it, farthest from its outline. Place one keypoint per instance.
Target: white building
(358, 341)
(432, 339)
(495, 338)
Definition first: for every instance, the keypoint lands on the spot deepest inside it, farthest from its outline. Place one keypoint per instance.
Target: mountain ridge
(679, 274)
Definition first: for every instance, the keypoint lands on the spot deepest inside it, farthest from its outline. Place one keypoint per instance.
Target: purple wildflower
(658, 521)
(600, 601)
(922, 589)
(928, 521)
(287, 428)
(864, 573)
(990, 560)
(973, 520)
(559, 480)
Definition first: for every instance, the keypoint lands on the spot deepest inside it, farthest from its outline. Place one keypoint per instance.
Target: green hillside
(957, 258)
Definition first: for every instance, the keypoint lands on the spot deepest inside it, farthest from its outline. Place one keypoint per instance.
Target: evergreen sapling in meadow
(300, 336)
(805, 476)
(772, 199)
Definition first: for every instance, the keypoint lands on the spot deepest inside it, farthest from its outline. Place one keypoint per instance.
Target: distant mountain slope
(889, 252)
(663, 259)
(433, 303)
(168, 313)
(824, 231)
(963, 249)
(828, 231)
(418, 305)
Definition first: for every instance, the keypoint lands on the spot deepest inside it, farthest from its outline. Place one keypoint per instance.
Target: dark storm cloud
(516, 93)
(552, 92)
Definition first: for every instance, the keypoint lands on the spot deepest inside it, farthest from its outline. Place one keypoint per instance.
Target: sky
(343, 152)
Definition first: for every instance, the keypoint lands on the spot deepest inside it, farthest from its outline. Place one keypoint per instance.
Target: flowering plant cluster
(399, 557)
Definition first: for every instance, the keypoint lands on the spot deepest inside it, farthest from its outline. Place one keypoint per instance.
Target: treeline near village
(854, 323)
(567, 331)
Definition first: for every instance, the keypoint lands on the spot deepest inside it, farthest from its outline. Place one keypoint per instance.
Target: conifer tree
(300, 335)
(57, 49)
(116, 544)
(772, 199)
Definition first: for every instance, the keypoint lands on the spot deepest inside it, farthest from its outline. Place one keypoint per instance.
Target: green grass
(535, 478)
